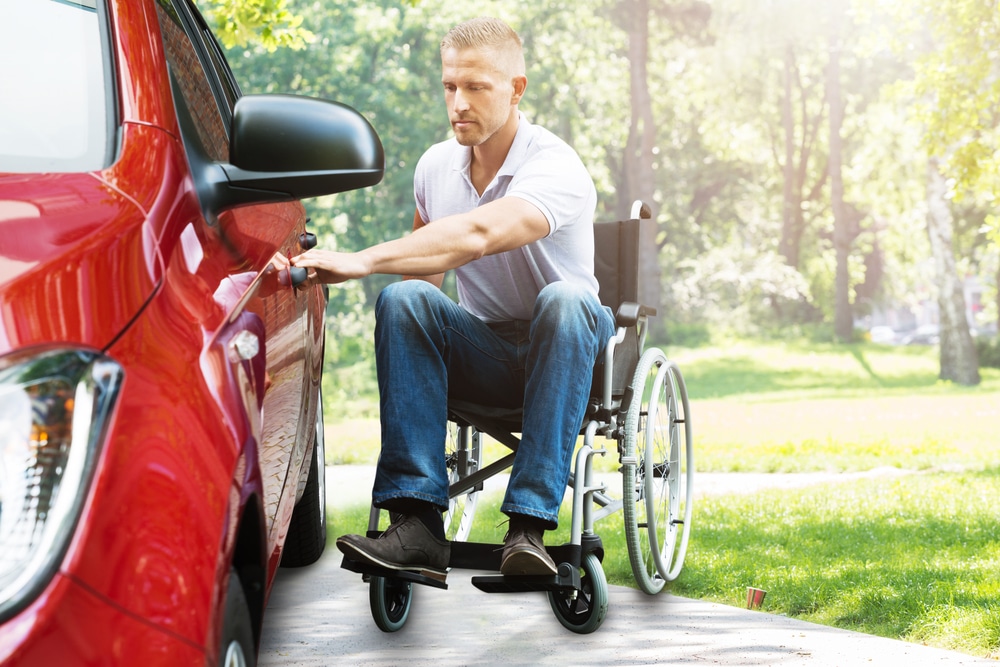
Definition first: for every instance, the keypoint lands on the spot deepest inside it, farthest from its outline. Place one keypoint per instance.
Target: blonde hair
(489, 34)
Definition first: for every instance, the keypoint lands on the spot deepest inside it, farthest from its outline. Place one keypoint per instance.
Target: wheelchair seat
(617, 269)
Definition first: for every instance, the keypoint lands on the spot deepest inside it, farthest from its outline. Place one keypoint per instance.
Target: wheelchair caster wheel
(584, 610)
(390, 602)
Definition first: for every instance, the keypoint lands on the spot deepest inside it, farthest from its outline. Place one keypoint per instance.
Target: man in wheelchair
(510, 207)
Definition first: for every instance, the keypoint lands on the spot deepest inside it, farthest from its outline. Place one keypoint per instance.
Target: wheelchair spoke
(463, 457)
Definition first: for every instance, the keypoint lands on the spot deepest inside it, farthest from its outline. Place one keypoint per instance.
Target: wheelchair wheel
(390, 602)
(461, 461)
(658, 472)
(584, 612)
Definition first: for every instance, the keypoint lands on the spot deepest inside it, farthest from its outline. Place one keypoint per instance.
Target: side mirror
(301, 146)
(283, 147)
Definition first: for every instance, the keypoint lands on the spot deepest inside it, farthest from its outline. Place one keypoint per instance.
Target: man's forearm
(432, 249)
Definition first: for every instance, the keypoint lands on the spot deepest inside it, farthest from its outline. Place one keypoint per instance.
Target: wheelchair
(639, 402)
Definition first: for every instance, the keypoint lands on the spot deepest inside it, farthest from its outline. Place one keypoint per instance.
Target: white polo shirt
(542, 169)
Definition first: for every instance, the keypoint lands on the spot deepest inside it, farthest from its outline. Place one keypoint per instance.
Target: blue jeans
(428, 348)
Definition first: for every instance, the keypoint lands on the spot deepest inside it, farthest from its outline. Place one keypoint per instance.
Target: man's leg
(569, 329)
(422, 338)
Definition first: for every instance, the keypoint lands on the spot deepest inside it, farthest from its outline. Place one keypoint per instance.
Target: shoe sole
(526, 564)
(356, 554)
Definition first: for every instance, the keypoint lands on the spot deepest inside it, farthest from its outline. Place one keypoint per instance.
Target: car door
(267, 325)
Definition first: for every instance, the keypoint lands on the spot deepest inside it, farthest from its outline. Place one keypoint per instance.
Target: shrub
(687, 334)
(989, 351)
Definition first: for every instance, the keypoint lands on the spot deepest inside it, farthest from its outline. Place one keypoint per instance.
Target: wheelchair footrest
(566, 581)
(369, 570)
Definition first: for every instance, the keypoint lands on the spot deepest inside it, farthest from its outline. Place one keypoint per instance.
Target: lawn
(912, 556)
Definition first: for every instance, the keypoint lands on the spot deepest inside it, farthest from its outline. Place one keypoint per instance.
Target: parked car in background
(925, 334)
(883, 334)
(161, 446)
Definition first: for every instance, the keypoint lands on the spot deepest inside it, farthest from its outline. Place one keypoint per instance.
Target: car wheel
(237, 646)
(307, 531)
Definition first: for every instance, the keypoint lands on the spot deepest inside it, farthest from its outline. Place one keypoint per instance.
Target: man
(510, 207)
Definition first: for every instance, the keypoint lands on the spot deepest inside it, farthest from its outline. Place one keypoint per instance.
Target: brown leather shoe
(524, 553)
(405, 545)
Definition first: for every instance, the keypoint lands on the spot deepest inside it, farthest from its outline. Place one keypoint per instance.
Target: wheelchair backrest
(616, 261)
(617, 269)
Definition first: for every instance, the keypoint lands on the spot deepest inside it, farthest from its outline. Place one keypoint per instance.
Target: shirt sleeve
(558, 184)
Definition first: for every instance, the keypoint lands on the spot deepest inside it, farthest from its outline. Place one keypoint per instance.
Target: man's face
(478, 97)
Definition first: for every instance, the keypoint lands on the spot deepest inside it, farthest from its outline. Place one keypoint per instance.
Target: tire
(390, 601)
(658, 472)
(681, 480)
(236, 646)
(462, 508)
(584, 612)
(306, 538)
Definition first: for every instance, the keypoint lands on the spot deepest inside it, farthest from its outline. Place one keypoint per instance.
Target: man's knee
(572, 314)
(563, 299)
(407, 298)
(562, 292)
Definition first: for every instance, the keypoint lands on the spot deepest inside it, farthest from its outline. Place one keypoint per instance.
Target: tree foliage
(957, 85)
(268, 23)
(732, 140)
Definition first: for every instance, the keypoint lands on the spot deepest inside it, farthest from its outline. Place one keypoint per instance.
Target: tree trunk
(791, 208)
(637, 161)
(997, 284)
(843, 225)
(959, 361)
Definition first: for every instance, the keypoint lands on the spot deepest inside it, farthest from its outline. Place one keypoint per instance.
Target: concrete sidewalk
(320, 616)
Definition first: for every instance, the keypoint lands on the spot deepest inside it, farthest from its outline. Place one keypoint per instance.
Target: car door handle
(307, 240)
(299, 275)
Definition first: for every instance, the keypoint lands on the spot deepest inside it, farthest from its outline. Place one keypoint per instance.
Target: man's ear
(519, 83)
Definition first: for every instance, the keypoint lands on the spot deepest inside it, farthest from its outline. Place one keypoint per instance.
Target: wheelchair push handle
(641, 210)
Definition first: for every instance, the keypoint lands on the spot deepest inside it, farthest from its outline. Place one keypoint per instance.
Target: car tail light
(54, 411)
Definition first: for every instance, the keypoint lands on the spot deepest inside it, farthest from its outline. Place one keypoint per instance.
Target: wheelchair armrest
(629, 313)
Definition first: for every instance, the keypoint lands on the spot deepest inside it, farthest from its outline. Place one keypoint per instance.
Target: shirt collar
(463, 159)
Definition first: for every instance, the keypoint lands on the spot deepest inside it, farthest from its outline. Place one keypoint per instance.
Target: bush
(738, 292)
(687, 334)
(989, 351)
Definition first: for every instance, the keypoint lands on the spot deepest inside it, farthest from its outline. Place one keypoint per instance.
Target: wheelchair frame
(639, 401)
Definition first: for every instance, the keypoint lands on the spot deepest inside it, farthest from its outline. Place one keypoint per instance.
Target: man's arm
(432, 249)
(436, 279)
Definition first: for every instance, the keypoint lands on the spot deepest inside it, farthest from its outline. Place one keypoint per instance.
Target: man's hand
(327, 266)
(280, 263)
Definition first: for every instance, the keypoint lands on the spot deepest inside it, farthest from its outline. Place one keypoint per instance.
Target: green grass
(773, 370)
(783, 407)
(910, 556)
(913, 557)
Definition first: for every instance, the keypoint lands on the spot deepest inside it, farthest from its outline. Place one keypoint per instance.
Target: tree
(637, 177)
(803, 180)
(268, 23)
(956, 84)
(959, 362)
(845, 228)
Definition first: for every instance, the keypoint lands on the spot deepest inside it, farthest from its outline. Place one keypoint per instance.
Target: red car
(161, 430)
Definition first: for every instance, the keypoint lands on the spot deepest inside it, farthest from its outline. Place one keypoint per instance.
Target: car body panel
(79, 254)
(72, 625)
(205, 432)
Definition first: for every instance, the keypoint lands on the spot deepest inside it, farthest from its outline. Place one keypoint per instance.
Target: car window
(228, 87)
(197, 88)
(54, 114)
